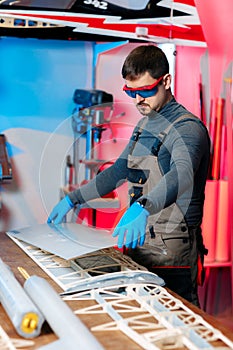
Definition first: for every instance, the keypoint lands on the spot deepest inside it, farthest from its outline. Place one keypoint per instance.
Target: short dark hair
(145, 58)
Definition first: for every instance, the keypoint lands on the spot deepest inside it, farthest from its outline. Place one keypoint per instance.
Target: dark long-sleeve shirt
(183, 160)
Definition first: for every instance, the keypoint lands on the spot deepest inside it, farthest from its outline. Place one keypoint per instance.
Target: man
(166, 164)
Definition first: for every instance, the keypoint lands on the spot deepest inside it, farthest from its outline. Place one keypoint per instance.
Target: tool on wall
(69, 172)
(24, 315)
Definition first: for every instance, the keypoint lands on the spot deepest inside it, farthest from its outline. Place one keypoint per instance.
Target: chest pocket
(136, 173)
(140, 169)
(138, 176)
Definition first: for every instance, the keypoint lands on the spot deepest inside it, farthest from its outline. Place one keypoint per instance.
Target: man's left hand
(131, 229)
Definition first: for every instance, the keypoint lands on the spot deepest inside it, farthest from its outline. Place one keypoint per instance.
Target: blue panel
(38, 79)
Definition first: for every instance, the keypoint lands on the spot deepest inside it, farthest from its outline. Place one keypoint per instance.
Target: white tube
(24, 315)
(60, 317)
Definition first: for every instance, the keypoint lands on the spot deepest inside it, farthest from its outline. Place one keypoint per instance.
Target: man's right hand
(60, 210)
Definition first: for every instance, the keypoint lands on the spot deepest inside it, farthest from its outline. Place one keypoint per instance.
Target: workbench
(13, 256)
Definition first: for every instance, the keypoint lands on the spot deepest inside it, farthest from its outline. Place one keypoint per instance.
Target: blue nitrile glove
(60, 210)
(132, 227)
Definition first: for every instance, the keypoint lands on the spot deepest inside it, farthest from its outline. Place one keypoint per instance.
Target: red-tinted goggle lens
(144, 91)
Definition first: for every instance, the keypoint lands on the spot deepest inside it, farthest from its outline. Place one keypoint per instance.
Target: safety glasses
(144, 91)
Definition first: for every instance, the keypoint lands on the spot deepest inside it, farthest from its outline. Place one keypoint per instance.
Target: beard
(144, 108)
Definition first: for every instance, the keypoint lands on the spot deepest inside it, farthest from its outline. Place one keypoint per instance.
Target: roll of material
(217, 142)
(65, 324)
(24, 315)
(209, 222)
(223, 234)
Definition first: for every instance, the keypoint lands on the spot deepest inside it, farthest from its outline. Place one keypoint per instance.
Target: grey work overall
(170, 245)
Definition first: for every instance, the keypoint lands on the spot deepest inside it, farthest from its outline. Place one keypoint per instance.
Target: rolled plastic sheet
(217, 142)
(72, 332)
(223, 242)
(24, 315)
(210, 214)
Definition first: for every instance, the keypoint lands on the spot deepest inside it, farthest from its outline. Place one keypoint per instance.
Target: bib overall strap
(136, 136)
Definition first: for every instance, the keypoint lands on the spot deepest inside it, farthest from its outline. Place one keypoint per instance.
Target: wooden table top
(13, 256)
